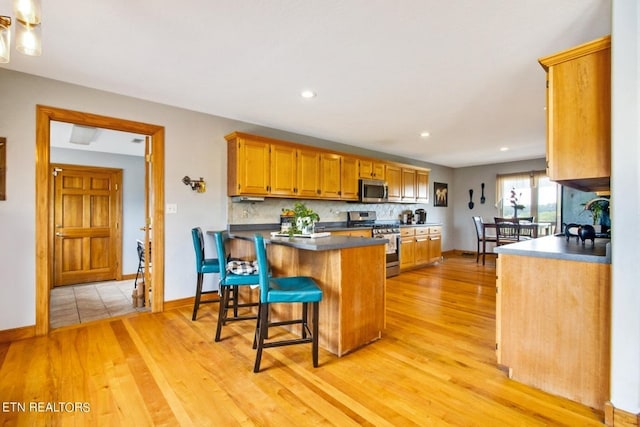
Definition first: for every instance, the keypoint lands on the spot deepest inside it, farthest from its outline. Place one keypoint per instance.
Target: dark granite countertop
(310, 244)
(557, 247)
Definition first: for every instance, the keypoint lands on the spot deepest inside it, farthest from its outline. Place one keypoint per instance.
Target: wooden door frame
(44, 250)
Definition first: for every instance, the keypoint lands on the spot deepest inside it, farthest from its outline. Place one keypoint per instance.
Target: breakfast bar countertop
(310, 244)
(557, 247)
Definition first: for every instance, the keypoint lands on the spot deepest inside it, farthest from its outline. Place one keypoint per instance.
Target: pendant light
(28, 19)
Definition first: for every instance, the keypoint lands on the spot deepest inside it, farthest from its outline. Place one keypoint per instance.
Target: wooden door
(87, 214)
(147, 219)
(330, 186)
(422, 186)
(253, 168)
(394, 182)
(408, 185)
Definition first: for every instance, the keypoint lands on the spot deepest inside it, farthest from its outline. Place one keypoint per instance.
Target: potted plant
(304, 219)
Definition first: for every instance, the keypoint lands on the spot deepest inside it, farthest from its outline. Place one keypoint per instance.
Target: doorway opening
(45, 231)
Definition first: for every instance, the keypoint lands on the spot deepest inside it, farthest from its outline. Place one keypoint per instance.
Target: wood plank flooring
(434, 366)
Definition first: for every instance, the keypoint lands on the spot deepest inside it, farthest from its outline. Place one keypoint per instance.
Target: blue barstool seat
(203, 266)
(298, 289)
(230, 282)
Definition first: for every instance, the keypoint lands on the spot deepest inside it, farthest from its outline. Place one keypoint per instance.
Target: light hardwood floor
(435, 365)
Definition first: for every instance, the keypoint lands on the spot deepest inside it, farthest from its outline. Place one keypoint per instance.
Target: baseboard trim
(619, 418)
(16, 334)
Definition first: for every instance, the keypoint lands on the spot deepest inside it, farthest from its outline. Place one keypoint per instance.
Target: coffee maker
(421, 216)
(407, 217)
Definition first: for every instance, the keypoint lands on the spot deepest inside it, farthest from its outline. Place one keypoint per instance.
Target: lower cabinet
(420, 246)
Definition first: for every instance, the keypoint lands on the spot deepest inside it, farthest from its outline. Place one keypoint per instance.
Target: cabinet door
(253, 167)
(308, 173)
(407, 252)
(422, 250)
(394, 182)
(349, 179)
(422, 186)
(283, 170)
(330, 185)
(408, 185)
(435, 248)
(368, 169)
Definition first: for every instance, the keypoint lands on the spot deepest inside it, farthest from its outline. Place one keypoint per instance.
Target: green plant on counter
(304, 218)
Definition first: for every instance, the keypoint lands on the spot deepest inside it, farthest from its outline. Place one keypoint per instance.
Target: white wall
(625, 192)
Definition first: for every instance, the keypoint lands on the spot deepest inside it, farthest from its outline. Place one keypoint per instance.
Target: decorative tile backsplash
(268, 212)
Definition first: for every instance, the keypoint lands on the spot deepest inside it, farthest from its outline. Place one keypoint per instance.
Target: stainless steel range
(383, 229)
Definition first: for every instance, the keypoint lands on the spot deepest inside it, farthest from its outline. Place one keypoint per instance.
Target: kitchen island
(350, 271)
(553, 316)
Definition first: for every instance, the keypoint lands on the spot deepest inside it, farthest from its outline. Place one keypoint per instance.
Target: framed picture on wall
(440, 194)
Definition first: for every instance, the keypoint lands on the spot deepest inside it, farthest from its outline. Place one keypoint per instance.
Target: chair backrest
(220, 237)
(506, 228)
(198, 246)
(263, 268)
(477, 221)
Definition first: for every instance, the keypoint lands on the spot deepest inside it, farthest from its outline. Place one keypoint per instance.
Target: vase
(305, 225)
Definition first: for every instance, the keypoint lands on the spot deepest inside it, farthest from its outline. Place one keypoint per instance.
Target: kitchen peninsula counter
(350, 271)
(557, 247)
(553, 316)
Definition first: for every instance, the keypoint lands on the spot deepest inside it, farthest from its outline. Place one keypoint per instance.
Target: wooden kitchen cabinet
(408, 185)
(248, 162)
(349, 178)
(579, 115)
(308, 182)
(363, 232)
(407, 248)
(420, 246)
(330, 175)
(422, 186)
(394, 182)
(369, 169)
(284, 170)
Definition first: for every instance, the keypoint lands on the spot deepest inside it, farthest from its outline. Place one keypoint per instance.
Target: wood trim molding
(8, 335)
(614, 417)
(44, 236)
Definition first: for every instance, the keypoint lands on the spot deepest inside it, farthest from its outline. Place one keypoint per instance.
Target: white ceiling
(383, 70)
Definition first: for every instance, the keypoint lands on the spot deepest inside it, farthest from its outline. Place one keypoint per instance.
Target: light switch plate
(171, 208)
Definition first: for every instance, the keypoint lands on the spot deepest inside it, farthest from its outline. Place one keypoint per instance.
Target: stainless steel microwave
(373, 191)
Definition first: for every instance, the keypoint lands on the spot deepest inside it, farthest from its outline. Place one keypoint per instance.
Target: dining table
(537, 228)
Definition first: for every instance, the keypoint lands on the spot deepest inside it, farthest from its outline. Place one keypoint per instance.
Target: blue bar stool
(233, 274)
(299, 289)
(203, 266)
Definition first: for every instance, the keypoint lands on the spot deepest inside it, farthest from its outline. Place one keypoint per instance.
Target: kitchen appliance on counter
(373, 191)
(407, 217)
(389, 230)
(421, 216)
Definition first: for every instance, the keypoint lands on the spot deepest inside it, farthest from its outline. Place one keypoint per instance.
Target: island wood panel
(353, 284)
(554, 323)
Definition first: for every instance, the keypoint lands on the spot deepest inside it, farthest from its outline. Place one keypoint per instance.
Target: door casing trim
(44, 254)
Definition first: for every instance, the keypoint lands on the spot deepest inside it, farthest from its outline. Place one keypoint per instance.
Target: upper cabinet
(579, 115)
(248, 160)
(260, 166)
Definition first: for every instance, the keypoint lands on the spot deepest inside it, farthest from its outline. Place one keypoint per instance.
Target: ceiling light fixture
(425, 134)
(308, 94)
(82, 135)
(28, 18)
(504, 148)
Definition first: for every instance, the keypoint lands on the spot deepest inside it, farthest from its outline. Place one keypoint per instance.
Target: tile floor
(74, 304)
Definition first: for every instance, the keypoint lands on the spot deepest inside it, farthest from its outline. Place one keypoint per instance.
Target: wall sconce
(196, 184)
(28, 30)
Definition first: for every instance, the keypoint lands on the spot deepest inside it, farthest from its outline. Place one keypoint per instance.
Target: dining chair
(507, 231)
(525, 229)
(482, 237)
(141, 257)
(233, 274)
(203, 266)
(288, 290)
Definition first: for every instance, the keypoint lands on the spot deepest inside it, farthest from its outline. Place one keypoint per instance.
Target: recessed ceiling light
(308, 94)
(504, 148)
(425, 134)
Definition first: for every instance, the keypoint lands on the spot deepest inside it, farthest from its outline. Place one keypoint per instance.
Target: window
(534, 193)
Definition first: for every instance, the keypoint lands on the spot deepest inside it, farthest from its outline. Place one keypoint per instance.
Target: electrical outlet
(171, 208)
